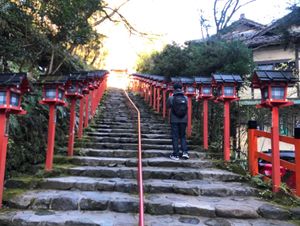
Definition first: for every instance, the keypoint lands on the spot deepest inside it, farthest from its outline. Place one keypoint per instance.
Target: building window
(265, 67)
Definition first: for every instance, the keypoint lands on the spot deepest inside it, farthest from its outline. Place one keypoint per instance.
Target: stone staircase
(99, 187)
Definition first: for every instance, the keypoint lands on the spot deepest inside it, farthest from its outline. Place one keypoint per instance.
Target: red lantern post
(12, 87)
(74, 92)
(273, 86)
(85, 93)
(226, 86)
(190, 92)
(205, 94)
(53, 95)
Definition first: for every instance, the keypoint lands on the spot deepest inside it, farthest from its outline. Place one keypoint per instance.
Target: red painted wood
(189, 123)
(227, 130)
(72, 127)
(275, 150)
(205, 124)
(3, 151)
(51, 137)
(81, 111)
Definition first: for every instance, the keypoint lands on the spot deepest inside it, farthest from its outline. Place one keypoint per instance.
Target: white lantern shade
(2, 97)
(278, 92)
(228, 91)
(50, 93)
(206, 90)
(14, 99)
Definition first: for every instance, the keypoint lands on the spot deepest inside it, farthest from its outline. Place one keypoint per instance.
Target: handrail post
(297, 159)
(252, 148)
(140, 166)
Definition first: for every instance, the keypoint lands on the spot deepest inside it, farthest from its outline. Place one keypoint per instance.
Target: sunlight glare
(118, 79)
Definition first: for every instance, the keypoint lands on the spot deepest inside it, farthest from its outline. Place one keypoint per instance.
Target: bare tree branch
(109, 16)
(224, 16)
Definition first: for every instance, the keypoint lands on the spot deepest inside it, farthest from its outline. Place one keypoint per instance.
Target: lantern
(226, 87)
(273, 86)
(190, 91)
(205, 93)
(73, 92)
(53, 89)
(53, 95)
(12, 87)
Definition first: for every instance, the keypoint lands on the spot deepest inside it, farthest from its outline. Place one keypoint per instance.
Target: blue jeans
(178, 132)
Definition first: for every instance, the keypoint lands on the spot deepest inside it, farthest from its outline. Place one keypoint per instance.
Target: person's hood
(178, 91)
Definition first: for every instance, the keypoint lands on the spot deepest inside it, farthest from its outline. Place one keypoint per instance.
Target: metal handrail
(139, 174)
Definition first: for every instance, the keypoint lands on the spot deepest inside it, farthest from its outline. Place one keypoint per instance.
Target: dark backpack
(179, 105)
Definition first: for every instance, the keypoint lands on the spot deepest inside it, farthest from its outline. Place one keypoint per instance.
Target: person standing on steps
(178, 119)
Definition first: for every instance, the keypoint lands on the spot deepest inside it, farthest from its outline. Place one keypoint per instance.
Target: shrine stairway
(98, 186)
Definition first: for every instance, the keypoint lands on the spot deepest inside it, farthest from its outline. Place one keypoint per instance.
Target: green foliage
(171, 61)
(199, 59)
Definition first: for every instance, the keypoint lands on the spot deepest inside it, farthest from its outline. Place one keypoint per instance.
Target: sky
(172, 20)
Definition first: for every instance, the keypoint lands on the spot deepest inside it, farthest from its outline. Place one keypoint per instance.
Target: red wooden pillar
(145, 92)
(150, 96)
(158, 100)
(86, 117)
(164, 102)
(169, 112)
(297, 160)
(3, 150)
(72, 127)
(154, 98)
(189, 123)
(275, 150)
(81, 111)
(51, 137)
(252, 148)
(227, 130)
(205, 124)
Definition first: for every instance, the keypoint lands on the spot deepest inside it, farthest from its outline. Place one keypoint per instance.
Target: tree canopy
(202, 58)
(53, 36)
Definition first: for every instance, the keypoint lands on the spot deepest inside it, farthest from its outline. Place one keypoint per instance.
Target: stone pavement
(98, 186)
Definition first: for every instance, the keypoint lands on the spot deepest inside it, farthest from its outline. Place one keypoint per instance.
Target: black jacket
(174, 118)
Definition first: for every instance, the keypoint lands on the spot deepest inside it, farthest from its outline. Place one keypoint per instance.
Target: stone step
(134, 135)
(128, 130)
(192, 187)
(105, 218)
(131, 153)
(158, 204)
(177, 173)
(146, 122)
(100, 145)
(132, 162)
(163, 128)
(106, 118)
(122, 140)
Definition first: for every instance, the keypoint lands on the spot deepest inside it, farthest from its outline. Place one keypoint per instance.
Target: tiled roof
(272, 75)
(226, 78)
(53, 79)
(8, 79)
(203, 80)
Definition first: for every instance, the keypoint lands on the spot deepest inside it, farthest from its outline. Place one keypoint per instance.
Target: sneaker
(174, 157)
(185, 155)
